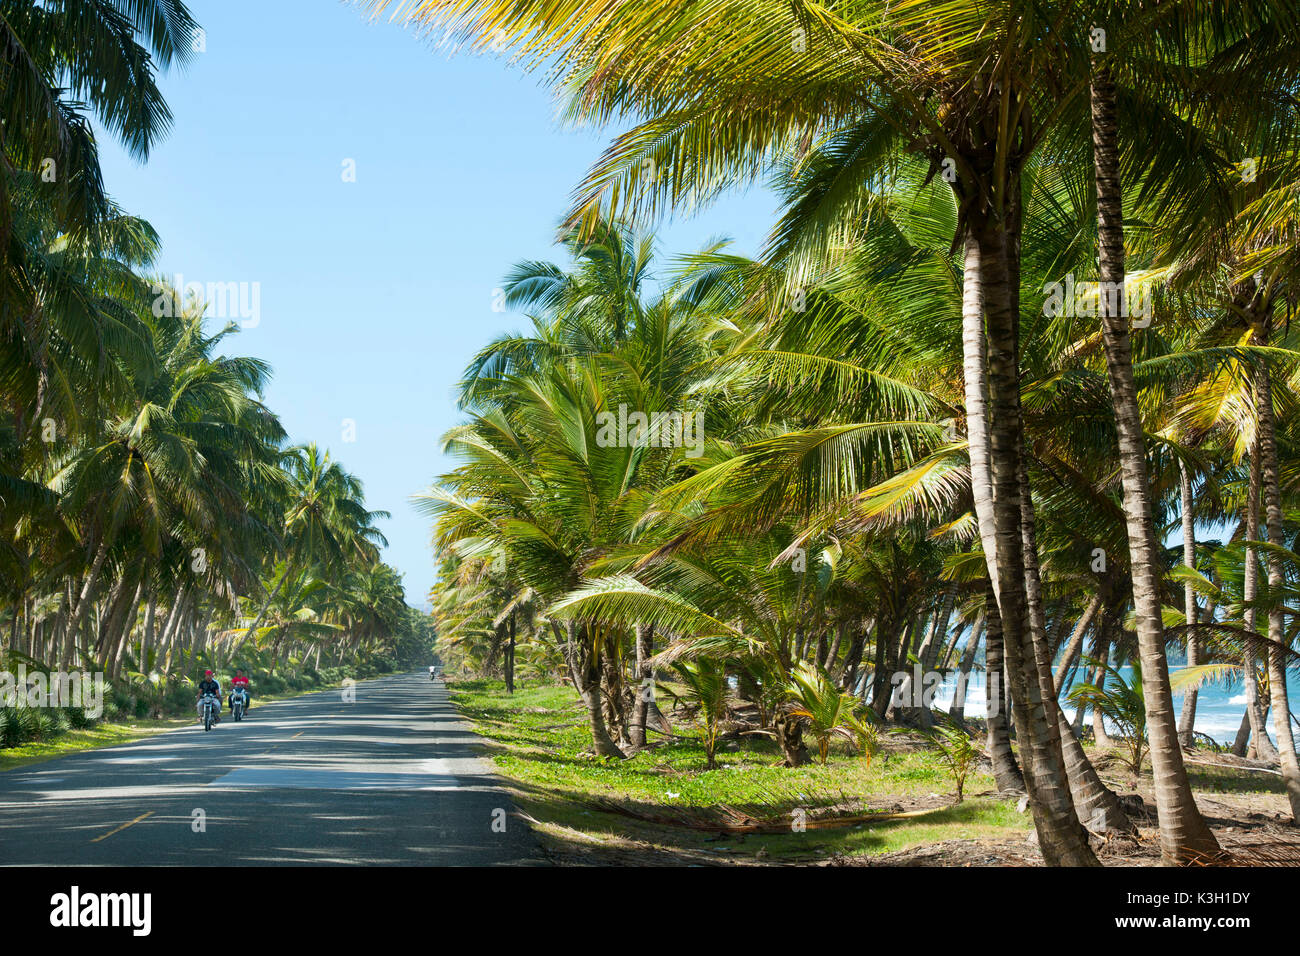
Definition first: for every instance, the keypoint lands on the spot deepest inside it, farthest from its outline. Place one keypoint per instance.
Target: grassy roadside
(107, 734)
(114, 732)
(663, 806)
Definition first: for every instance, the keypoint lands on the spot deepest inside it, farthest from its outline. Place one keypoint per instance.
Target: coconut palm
(823, 708)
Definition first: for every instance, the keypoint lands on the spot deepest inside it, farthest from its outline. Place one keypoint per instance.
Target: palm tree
(703, 684)
(744, 74)
(1000, 102)
(824, 709)
(61, 61)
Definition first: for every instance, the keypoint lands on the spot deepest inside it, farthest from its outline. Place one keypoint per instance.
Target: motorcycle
(209, 710)
(238, 702)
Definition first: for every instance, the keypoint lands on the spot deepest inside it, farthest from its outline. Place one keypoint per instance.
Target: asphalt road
(390, 778)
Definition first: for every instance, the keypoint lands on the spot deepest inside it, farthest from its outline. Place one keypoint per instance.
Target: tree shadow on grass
(1240, 782)
(583, 831)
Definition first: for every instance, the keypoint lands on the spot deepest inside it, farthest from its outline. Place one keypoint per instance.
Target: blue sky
(373, 293)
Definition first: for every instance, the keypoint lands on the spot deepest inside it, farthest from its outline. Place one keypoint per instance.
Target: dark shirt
(209, 687)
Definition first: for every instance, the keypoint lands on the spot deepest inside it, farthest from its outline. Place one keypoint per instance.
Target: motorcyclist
(209, 685)
(238, 682)
(433, 672)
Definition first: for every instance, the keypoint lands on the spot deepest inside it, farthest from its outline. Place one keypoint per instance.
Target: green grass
(1232, 780)
(108, 734)
(537, 739)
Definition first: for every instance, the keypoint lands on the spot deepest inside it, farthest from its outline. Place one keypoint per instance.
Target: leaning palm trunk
(1265, 437)
(1187, 720)
(170, 634)
(1095, 804)
(833, 654)
(1075, 645)
(261, 614)
(1184, 835)
(848, 677)
(82, 605)
(105, 626)
(122, 632)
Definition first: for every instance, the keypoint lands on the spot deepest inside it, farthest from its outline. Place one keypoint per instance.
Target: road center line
(122, 827)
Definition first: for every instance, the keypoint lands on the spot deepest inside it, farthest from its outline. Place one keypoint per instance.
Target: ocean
(1219, 705)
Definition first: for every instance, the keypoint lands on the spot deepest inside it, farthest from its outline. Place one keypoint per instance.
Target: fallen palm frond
(1271, 852)
(726, 819)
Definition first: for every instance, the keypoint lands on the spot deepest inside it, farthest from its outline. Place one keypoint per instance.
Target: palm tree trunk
(122, 631)
(13, 624)
(1006, 771)
(1265, 437)
(146, 638)
(82, 604)
(567, 641)
(1073, 648)
(833, 654)
(168, 637)
(886, 638)
(1187, 720)
(849, 672)
(945, 663)
(975, 380)
(64, 636)
(1095, 804)
(1184, 835)
(509, 663)
(1264, 749)
(789, 737)
(1101, 653)
(644, 678)
(1062, 839)
(602, 743)
(958, 709)
(939, 633)
(261, 614)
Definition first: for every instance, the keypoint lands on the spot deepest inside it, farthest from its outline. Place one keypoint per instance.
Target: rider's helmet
(207, 673)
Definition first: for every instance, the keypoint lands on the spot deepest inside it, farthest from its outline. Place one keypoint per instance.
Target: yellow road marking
(122, 827)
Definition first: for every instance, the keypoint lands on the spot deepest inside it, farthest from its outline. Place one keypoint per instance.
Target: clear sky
(373, 293)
